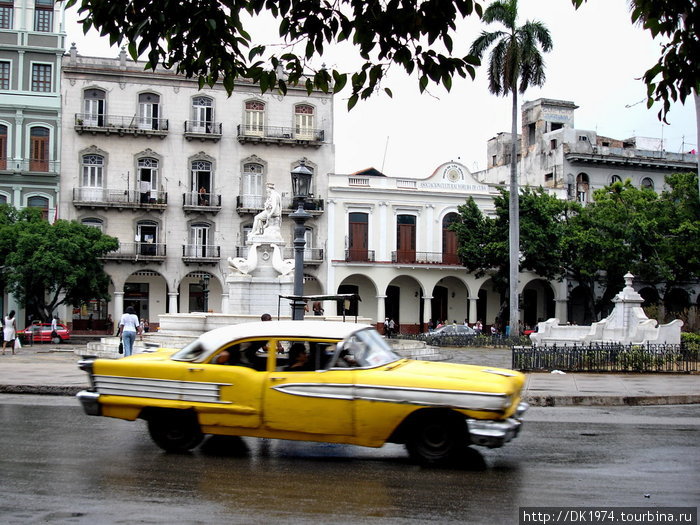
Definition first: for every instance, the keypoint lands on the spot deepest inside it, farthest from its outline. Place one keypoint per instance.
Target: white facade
(177, 175)
(390, 244)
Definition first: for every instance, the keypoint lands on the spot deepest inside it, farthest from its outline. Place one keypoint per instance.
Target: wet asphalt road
(58, 465)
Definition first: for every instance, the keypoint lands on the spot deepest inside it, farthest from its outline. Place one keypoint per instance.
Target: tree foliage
(212, 41)
(483, 241)
(46, 265)
(625, 229)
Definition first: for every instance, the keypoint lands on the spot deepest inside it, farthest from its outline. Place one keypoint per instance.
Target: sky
(597, 59)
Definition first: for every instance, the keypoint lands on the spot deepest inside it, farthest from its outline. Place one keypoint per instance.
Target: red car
(41, 333)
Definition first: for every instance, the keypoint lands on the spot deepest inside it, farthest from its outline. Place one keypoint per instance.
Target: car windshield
(364, 349)
(190, 352)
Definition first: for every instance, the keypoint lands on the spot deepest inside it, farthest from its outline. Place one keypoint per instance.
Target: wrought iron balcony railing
(201, 253)
(114, 198)
(203, 130)
(412, 257)
(120, 125)
(138, 251)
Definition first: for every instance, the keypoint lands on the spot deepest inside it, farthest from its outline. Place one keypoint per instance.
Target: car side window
(303, 356)
(249, 354)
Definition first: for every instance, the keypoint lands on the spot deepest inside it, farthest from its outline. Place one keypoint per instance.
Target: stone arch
(537, 302)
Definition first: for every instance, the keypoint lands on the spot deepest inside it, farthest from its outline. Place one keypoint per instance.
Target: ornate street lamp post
(301, 183)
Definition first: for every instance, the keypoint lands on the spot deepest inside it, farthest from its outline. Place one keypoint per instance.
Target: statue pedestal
(258, 291)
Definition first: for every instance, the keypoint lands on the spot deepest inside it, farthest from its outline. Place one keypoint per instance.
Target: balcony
(355, 255)
(118, 125)
(119, 199)
(252, 204)
(201, 254)
(195, 129)
(33, 166)
(194, 202)
(411, 257)
(138, 252)
(280, 135)
(312, 256)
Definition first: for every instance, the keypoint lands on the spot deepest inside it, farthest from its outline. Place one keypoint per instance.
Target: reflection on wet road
(60, 466)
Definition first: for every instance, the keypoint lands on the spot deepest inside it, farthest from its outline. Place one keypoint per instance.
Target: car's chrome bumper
(90, 402)
(494, 434)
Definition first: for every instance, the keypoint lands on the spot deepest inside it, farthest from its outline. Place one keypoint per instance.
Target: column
(224, 303)
(118, 306)
(381, 312)
(472, 310)
(560, 310)
(172, 302)
(427, 309)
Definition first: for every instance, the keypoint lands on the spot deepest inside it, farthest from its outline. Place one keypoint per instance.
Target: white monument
(256, 281)
(627, 324)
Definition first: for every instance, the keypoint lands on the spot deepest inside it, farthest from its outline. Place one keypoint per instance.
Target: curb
(570, 401)
(42, 390)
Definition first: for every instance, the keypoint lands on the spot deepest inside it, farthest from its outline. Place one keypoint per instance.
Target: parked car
(311, 381)
(449, 335)
(41, 333)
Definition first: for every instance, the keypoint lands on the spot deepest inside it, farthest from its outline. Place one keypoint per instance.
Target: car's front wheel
(175, 432)
(56, 340)
(436, 439)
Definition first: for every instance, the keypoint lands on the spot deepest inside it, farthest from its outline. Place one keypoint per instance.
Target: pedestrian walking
(9, 332)
(129, 327)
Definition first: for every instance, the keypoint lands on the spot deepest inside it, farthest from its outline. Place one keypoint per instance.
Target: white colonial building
(177, 174)
(390, 242)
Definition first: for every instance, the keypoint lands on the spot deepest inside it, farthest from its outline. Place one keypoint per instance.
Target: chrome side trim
(160, 388)
(405, 395)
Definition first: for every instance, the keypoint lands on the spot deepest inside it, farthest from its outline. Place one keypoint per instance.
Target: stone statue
(245, 266)
(267, 222)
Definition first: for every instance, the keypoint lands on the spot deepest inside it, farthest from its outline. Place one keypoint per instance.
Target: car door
(310, 401)
(240, 381)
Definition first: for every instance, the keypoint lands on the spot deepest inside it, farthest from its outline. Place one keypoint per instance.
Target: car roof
(314, 329)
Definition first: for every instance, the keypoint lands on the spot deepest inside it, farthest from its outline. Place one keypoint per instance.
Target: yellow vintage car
(307, 380)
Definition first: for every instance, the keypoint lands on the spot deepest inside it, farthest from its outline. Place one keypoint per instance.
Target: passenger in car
(298, 358)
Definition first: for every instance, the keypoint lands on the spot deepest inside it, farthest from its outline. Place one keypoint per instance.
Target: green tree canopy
(46, 265)
(213, 41)
(483, 241)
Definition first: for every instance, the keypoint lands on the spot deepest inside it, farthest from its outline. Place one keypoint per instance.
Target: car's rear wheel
(174, 431)
(436, 439)
(56, 340)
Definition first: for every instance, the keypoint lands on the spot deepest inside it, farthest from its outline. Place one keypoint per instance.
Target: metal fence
(607, 358)
(472, 341)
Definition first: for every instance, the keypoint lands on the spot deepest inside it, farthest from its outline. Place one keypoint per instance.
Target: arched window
(92, 177)
(254, 118)
(304, 122)
(201, 178)
(94, 107)
(615, 178)
(39, 146)
(449, 240)
(93, 223)
(647, 184)
(3, 147)
(147, 238)
(39, 202)
(149, 111)
(199, 241)
(202, 114)
(582, 188)
(147, 179)
(252, 179)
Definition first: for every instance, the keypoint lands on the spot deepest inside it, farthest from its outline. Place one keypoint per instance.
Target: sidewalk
(52, 369)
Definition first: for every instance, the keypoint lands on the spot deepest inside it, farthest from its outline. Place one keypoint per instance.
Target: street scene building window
(147, 237)
(358, 236)
(449, 240)
(4, 74)
(405, 238)
(199, 245)
(39, 143)
(41, 78)
(647, 183)
(94, 105)
(43, 15)
(202, 115)
(615, 178)
(254, 118)
(39, 202)
(3, 147)
(252, 178)
(148, 179)
(149, 109)
(582, 187)
(6, 10)
(304, 122)
(92, 176)
(202, 181)
(93, 223)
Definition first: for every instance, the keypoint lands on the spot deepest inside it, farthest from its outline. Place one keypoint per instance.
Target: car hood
(458, 376)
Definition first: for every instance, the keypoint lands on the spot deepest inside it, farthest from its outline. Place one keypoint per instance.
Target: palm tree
(515, 63)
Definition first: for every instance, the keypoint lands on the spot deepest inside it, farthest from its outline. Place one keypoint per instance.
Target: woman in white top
(9, 332)
(128, 328)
